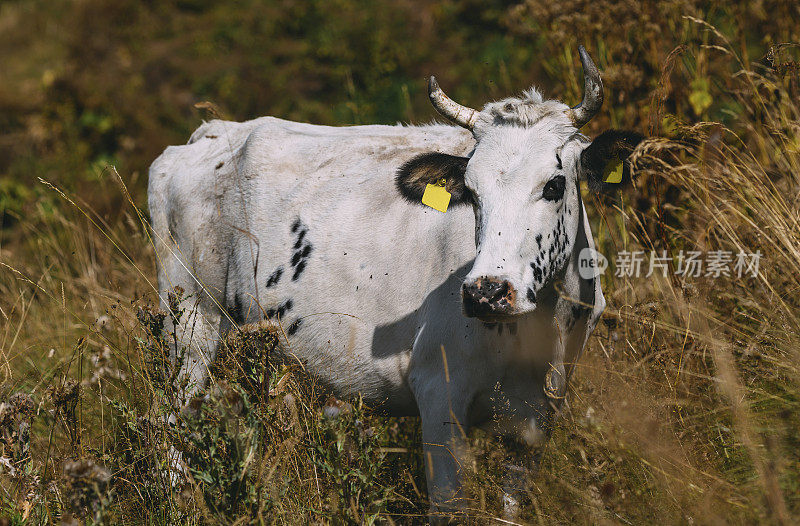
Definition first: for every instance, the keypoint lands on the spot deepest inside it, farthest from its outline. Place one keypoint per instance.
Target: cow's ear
(431, 168)
(604, 163)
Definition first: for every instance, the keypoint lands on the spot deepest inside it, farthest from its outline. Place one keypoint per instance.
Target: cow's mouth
(489, 312)
(497, 318)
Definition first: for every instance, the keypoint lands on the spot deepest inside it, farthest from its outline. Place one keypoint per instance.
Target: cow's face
(522, 180)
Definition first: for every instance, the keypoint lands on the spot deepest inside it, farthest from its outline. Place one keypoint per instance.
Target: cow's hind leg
(192, 332)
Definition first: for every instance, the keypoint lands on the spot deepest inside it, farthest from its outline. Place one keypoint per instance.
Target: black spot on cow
(294, 326)
(531, 295)
(237, 312)
(537, 271)
(300, 236)
(280, 310)
(275, 277)
(302, 249)
(539, 240)
(298, 270)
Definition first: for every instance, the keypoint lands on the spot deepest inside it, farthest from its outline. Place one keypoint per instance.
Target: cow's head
(522, 180)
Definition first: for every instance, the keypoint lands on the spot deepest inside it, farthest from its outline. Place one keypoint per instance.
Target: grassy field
(685, 407)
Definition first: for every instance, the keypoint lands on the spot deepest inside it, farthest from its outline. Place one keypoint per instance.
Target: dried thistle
(174, 299)
(16, 416)
(244, 358)
(231, 400)
(155, 350)
(65, 397)
(86, 487)
(152, 319)
(334, 408)
(103, 367)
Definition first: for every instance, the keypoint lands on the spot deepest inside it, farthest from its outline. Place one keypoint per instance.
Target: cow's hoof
(512, 506)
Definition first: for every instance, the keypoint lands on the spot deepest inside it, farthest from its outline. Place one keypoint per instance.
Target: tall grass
(685, 407)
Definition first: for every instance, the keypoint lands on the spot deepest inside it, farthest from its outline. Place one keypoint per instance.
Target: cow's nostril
(473, 291)
(486, 290)
(488, 297)
(494, 290)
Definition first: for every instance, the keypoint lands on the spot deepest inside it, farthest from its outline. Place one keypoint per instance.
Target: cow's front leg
(443, 440)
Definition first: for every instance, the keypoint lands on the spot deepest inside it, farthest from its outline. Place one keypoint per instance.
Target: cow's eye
(554, 189)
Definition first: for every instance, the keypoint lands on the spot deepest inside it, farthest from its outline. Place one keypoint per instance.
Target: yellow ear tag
(436, 196)
(613, 172)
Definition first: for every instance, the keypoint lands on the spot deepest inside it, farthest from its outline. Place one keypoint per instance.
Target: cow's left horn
(461, 115)
(592, 92)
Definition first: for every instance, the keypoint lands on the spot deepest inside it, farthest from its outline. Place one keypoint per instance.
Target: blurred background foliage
(88, 83)
(652, 434)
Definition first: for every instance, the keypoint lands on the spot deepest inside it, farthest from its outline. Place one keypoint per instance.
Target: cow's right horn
(592, 92)
(461, 115)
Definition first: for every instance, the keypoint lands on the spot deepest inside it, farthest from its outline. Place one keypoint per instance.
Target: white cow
(472, 317)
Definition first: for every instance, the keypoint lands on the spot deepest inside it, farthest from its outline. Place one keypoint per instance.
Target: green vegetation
(685, 407)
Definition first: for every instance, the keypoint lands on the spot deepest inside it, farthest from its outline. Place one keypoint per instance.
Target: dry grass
(685, 407)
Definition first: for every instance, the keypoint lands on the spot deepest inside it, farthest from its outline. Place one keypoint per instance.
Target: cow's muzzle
(488, 297)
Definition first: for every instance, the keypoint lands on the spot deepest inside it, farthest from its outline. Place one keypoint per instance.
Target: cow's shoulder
(230, 131)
